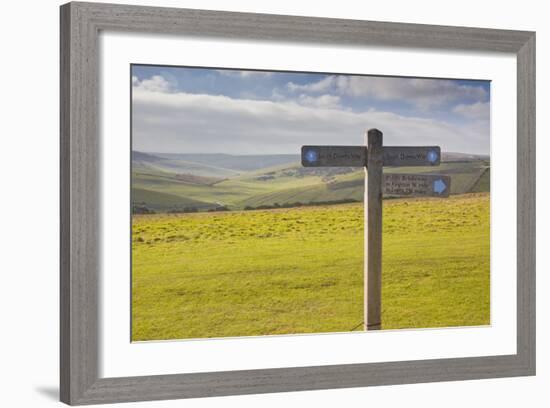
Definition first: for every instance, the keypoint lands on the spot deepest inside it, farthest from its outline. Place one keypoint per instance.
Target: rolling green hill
(238, 163)
(197, 185)
(150, 162)
(483, 183)
(320, 192)
(162, 202)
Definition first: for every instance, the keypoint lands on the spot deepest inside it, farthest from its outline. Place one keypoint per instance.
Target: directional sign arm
(416, 185)
(397, 156)
(334, 156)
(356, 156)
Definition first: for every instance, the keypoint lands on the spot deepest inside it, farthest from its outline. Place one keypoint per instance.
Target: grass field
(300, 270)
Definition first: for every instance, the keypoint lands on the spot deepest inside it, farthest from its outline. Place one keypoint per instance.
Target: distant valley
(164, 182)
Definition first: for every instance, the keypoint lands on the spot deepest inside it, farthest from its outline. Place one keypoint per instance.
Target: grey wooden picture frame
(81, 24)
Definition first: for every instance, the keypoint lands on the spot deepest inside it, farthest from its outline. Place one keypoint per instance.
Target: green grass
(300, 270)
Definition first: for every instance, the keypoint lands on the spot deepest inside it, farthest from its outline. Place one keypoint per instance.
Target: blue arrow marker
(439, 186)
(311, 156)
(432, 156)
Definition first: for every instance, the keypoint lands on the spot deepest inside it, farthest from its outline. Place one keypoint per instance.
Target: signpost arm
(373, 233)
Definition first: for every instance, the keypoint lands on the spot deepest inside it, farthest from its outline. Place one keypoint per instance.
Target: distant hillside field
(180, 182)
(163, 201)
(300, 270)
(232, 162)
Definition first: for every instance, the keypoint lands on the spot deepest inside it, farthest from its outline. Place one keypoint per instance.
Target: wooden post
(373, 233)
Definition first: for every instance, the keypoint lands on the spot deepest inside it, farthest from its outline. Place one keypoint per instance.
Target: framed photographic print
(242, 192)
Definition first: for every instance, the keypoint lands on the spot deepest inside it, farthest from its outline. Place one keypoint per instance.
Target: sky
(199, 110)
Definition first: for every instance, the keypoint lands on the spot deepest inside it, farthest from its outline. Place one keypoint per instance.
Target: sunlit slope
(163, 201)
(291, 184)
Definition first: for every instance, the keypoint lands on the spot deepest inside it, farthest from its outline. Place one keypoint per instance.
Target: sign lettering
(407, 185)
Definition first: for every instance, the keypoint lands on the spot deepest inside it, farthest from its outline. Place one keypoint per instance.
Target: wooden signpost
(373, 157)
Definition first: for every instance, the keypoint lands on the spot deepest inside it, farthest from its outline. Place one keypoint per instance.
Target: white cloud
(156, 83)
(476, 111)
(321, 86)
(323, 101)
(421, 92)
(277, 95)
(424, 93)
(182, 122)
(244, 74)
